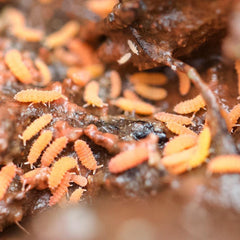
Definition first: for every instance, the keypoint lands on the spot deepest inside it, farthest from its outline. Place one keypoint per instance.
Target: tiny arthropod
(63, 165)
(96, 70)
(61, 190)
(225, 164)
(148, 78)
(44, 70)
(189, 106)
(136, 106)
(179, 129)
(133, 47)
(79, 76)
(124, 58)
(128, 94)
(128, 159)
(116, 84)
(79, 180)
(234, 115)
(7, 174)
(76, 195)
(13, 60)
(237, 67)
(53, 150)
(13, 17)
(90, 94)
(39, 145)
(36, 178)
(37, 96)
(151, 93)
(35, 127)
(179, 143)
(27, 34)
(184, 83)
(169, 117)
(62, 36)
(85, 155)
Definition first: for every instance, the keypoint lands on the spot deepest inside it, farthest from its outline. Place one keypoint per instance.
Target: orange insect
(59, 169)
(96, 70)
(27, 34)
(61, 190)
(76, 195)
(36, 178)
(90, 94)
(169, 117)
(35, 127)
(85, 155)
(39, 145)
(128, 94)
(44, 70)
(151, 93)
(234, 115)
(139, 107)
(13, 60)
(148, 78)
(179, 143)
(80, 76)
(225, 164)
(184, 83)
(189, 106)
(7, 174)
(128, 159)
(237, 67)
(63, 35)
(79, 180)
(13, 17)
(116, 84)
(37, 96)
(53, 150)
(179, 129)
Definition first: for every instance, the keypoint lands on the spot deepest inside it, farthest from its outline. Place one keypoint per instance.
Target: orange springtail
(225, 164)
(44, 70)
(179, 129)
(90, 94)
(80, 76)
(189, 106)
(179, 143)
(62, 36)
(53, 150)
(184, 83)
(128, 159)
(116, 84)
(63, 165)
(13, 60)
(76, 195)
(139, 107)
(79, 180)
(85, 155)
(13, 17)
(35, 127)
(148, 78)
(128, 94)
(151, 93)
(237, 67)
(27, 34)
(39, 145)
(61, 190)
(7, 174)
(37, 96)
(169, 117)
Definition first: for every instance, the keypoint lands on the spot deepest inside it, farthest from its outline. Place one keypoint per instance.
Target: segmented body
(7, 174)
(128, 159)
(148, 78)
(76, 196)
(189, 106)
(179, 143)
(79, 180)
(179, 129)
(59, 169)
(61, 190)
(169, 117)
(85, 155)
(36, 126)
(151, 93)
(53, 150)
(116, 84)
(13, 60)
(39, 145)
(44, 70)
(37, 96)
(90, 94)
(225, 164)
(136, 106)
(184, 83)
